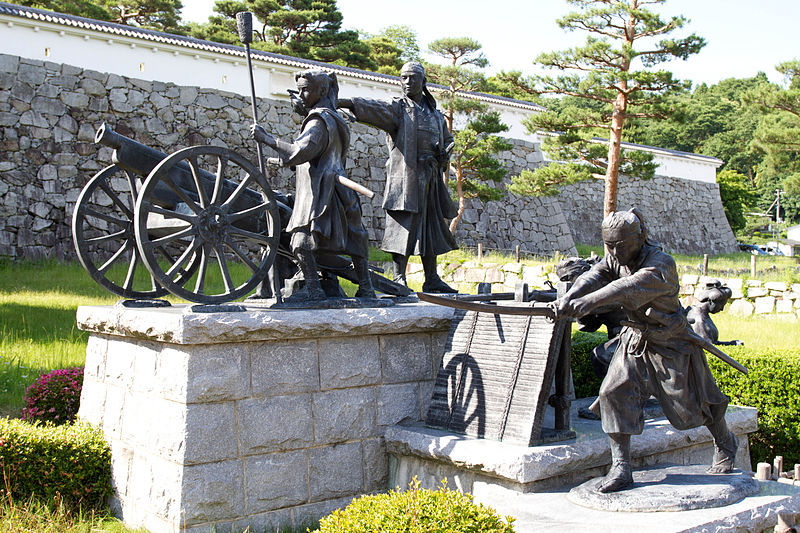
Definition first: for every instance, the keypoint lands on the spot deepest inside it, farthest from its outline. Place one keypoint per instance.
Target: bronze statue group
(652, 355)
(327, 213)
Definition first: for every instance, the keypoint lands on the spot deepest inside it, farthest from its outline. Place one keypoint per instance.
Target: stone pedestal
(532, 483)
(434, 454)
(257, 418)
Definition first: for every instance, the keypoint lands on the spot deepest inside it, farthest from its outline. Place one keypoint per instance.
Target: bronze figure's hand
(260, 135)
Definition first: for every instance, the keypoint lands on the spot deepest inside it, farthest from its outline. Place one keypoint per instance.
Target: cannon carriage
(201, 223)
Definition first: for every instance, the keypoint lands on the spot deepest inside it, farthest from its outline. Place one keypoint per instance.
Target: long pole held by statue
(244, 24)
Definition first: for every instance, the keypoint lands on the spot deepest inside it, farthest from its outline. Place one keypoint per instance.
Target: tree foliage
(463, 56)
(311, 29)
(614, 74)
(778, 137)
(477, 172)
(161, 15)
(737, 197)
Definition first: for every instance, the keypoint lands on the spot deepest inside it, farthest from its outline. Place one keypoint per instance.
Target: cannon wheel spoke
(253, 212)
(219, 178)
(238, 186)
(241, 255)
(108, 218)
(223, 269)
(116, 199)
(198, 182)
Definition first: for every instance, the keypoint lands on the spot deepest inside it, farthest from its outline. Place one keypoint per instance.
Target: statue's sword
(522, 309)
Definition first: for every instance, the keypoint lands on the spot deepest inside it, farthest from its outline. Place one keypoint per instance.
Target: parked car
(752, 248)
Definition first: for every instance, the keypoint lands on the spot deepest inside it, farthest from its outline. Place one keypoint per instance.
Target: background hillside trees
(311, 29)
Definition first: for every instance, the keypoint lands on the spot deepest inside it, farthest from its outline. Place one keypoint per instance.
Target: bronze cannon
(202, 221)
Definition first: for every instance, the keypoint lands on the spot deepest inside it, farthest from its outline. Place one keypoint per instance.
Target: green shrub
(416, 510)
(585, 382)
(772, 385)
(68, 462)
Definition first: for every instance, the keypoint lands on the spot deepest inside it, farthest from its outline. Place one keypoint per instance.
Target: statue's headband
(413, 66)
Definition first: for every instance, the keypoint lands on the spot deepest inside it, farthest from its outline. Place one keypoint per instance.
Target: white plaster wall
(177, 63)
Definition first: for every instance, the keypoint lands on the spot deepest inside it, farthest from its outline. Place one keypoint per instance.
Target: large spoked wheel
(103, 234)
(209, 202)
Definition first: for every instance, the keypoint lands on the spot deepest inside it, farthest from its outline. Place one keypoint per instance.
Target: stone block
(757, 292)
(113, 413)
(734, 283)
(398, 404)
(9, 63)
(269, 522)
(376, 465)
(216, 422)
(335, 471)
(120, 359)
(276, 423)
(779, 286)
(155, 484)
(93, 401)
(689, 279)
(345, 414)
(95, 365)
(216, 372)
(764, 304)
(349, 362)
(783, 306)
(213, 492)
(285, 367)
(406, 358)
(163, 435)
(741, 307)
(275, 481)
(754, 283)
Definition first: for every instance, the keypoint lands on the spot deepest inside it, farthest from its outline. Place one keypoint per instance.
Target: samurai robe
(416, 198)
(326, 216)
(655, 357)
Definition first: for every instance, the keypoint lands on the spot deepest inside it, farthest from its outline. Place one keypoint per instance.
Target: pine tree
(612, 73)
(477, 173)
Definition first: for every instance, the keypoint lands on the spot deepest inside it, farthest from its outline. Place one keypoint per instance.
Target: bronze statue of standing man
(416, 199)
(326, 218)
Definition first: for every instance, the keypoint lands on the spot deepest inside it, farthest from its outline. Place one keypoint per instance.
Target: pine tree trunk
(614, 149)
(461, 202)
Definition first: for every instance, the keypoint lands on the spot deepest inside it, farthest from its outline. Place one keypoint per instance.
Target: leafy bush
(585, 382)
(772, 386)
(69, 463)
(55, 396)
(416, 510)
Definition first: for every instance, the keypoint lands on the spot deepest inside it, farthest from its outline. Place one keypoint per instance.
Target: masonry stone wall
(685, 216)
(49, 113)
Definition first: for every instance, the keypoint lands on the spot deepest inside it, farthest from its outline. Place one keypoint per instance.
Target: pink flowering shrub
(55, 396)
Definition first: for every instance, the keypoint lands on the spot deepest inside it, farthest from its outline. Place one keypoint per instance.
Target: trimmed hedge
(68, 462)
(416, 510)
(772, 386)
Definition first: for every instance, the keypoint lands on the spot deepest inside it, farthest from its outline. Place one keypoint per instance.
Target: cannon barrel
(140, 160)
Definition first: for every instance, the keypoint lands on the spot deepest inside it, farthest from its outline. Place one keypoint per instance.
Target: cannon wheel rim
(144, 206)
(123, 236)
